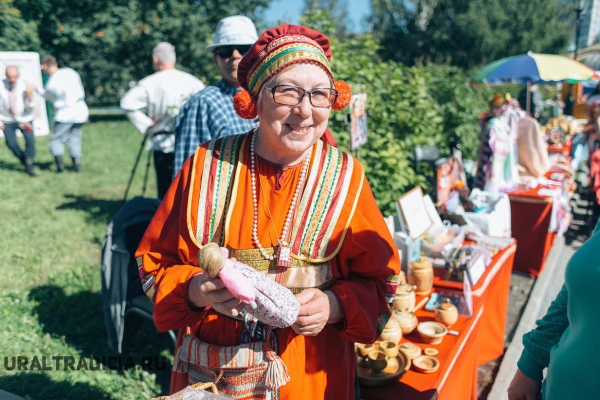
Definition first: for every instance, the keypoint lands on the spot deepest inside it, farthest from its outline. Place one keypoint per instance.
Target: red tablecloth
(480, 339)
(530, 215)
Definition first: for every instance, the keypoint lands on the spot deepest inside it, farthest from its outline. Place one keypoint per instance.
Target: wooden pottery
(392, 372)
(446, 313)
(420, 274)
(426, 364)
(430, 351)
(407, 321)
(410, 350)
(391, 332)
(404, 299)
(363, 351)
(391, 352)
(377, 362)
(432, 332)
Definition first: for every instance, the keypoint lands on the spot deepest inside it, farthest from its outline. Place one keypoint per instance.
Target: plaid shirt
(208, 115)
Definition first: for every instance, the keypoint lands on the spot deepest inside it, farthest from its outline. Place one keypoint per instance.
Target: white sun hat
(231, 31)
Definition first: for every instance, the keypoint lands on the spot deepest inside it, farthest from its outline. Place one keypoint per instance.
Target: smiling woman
(285, 201)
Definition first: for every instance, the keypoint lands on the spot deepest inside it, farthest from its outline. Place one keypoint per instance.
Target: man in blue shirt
(209, 114)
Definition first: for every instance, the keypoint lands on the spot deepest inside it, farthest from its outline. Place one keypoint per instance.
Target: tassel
(277, 373)
(244, 105)
(344, 95)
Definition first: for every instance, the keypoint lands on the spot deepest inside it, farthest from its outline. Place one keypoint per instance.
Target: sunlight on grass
(51, 228)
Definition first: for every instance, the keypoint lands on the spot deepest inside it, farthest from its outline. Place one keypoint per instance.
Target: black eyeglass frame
(221, 50)
(304, 92)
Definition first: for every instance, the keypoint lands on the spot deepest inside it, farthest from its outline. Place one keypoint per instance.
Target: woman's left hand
(316, 309)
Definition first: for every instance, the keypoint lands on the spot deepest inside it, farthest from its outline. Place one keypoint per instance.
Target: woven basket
(200, 385)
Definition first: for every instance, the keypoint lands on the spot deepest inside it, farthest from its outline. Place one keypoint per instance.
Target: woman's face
(287, 133)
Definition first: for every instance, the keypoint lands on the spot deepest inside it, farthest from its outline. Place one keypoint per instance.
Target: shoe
(29, 166)
(76, 164)
(60, 167)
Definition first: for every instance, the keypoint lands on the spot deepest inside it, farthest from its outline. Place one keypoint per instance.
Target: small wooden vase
(404, 299)
(420, 274)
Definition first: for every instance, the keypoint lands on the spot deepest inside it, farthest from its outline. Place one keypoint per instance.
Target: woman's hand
(206, 291)
(523, 388)
(317, 308)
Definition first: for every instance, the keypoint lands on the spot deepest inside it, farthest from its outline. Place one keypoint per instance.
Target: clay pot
(420, 274)
(391, 332)
(446, 313)
(404, 299)
(432, 332)
(407, 321)
(410, 350)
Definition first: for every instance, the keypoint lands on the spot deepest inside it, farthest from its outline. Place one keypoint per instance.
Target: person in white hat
(209, 114)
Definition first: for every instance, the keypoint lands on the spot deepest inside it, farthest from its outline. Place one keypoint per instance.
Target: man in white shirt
(162, 94)
(65, 91)
(16, 112)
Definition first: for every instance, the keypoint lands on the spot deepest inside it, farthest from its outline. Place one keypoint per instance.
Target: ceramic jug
(446, 313)
(420, 274)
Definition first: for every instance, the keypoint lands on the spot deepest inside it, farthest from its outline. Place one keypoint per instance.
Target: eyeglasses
(227, 51)
(292, 95)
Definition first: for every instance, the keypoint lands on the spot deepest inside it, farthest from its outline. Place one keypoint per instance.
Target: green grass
(51, 227)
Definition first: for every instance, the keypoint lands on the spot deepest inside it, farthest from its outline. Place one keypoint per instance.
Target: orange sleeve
(170, 256)
(367, 258)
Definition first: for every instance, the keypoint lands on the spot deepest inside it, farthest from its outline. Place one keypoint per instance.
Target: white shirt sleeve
(132, 102)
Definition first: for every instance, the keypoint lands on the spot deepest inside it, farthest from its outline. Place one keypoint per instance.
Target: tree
(468, 33)
(16, 34)
(109, 42)
(336, 10)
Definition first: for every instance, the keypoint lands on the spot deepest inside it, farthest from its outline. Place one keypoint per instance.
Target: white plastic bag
(494, 217)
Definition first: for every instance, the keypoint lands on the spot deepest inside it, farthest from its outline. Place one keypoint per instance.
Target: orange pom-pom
(344, 95)
(244, 105)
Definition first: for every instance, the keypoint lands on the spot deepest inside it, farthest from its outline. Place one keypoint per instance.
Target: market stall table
(531, 216)
(480, 339)
(493, 288)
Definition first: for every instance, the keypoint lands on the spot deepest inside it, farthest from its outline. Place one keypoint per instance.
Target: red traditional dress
(339, 242)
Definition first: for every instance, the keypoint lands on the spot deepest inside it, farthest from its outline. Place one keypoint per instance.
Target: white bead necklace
(283, 256)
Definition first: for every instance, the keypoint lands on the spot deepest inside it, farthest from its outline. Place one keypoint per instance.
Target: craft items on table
(420, 274)
(426, 364)
(410, 350)
(404, 299)
(391, 332)
(446, 313)
(432, 332)
(406, 320)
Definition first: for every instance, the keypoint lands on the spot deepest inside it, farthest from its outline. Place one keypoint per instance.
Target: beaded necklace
(283, 251)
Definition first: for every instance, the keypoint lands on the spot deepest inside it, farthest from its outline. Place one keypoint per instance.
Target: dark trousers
(163, 163)
(10, 135)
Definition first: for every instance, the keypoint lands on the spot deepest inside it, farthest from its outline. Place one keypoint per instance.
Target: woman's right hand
(205, 291)
(523, 388)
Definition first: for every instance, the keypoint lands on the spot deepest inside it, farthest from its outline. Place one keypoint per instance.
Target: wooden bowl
(363, 350)
(426, 364)
(432, 332)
